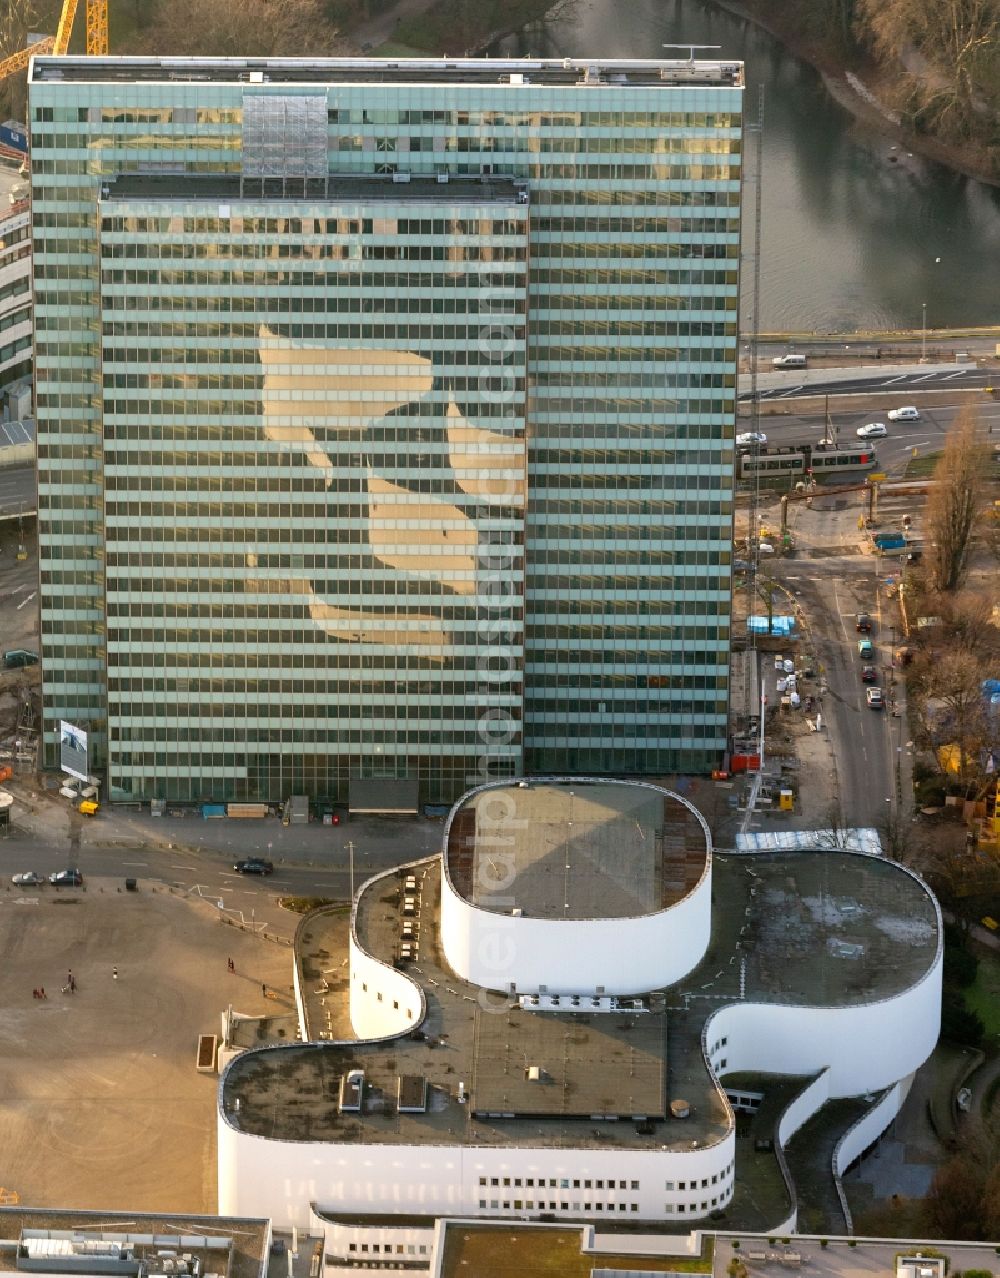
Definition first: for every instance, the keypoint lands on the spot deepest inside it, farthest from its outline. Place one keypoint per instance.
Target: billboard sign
(73, 750)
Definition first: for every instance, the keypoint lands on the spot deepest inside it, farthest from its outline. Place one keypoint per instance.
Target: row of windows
(178, 115)
(529, 1182)
(537, 118)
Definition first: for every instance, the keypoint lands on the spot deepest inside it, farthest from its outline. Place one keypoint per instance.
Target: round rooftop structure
(541, 875)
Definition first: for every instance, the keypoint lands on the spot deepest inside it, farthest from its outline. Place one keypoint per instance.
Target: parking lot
(103, 1107)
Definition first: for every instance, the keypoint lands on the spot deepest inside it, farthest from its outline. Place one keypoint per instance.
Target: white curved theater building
(547, 1013)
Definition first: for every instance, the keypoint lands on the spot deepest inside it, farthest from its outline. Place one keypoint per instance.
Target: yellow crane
(97, 37)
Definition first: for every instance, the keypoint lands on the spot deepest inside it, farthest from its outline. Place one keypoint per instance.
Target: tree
(956, 501)
(958, 42)
(246, 28)
(946, 696)
(953, 1208)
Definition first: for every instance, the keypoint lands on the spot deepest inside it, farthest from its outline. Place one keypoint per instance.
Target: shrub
(957, 1022)
(960, 966)
(824, 1242)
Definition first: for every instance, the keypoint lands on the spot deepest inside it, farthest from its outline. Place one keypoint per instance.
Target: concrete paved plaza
(101, 1104)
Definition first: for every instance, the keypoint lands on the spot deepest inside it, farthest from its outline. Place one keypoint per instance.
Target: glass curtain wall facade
(233, 600)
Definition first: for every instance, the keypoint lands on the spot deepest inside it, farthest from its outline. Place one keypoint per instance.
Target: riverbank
(859, 87)
(451, 28)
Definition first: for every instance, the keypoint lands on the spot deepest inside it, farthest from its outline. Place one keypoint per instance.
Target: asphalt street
(198, 856)
(925, 435)
(834, 582)
(967, 378)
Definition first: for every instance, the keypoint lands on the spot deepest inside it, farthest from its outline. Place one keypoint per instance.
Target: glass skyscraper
(385, 418)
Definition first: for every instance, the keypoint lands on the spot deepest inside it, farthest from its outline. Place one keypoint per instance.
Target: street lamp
(923, 332)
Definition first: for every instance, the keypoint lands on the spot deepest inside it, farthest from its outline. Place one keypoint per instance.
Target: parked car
(765, 548)
(66, 878)
(873, 430)
(19, 657)
(874, 697)
(789, 361)
(866, 648)
(254, 865)
(28, 879)
(907, 414)
(749, 438)
(869, 674)
(863, 623)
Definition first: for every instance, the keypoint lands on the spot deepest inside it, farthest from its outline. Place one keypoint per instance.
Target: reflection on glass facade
(419, 466)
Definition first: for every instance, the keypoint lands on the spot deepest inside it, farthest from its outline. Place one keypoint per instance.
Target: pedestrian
(114, 973)
(263, 988)
(232, 966)
(41, 992)
(34, 994)
(72, 983)
(69, 978)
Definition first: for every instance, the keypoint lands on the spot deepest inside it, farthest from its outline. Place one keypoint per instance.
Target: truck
(14, 135)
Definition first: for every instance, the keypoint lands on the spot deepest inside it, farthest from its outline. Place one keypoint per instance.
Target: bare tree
(956, 501)
(225, 28)
(945, 690)
(958, 39)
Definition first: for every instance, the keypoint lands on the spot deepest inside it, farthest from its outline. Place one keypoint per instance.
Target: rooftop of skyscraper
(619, 72)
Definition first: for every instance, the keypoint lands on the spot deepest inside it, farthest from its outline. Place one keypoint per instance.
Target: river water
(856, 233)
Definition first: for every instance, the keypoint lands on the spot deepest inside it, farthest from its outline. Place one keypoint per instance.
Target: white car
(907, 414)
(874, 430)
(28, 879)
(765, 548)
(750, 437)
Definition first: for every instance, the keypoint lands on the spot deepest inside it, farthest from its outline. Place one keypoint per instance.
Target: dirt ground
(101, 1104)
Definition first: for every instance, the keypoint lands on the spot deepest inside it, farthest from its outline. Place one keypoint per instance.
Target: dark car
(863, 624)
(66, 878)
(869, 674)
(254, 865)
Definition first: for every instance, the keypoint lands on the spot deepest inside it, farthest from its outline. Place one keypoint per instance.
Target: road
(873, 382)
(197, 856)
(864, 739)
(926, 435)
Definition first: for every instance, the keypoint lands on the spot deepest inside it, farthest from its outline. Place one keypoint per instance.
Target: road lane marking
(26, 601)
(139, 864)
(900, 378)
(951, 376)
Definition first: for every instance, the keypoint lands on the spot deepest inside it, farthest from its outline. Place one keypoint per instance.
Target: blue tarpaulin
(780, 625)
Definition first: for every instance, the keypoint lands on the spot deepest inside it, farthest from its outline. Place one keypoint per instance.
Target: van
(16, 657)
(789, 361)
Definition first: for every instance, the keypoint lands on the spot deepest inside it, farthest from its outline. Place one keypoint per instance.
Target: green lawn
(922, 466)
(983, 996)
(492, 1251)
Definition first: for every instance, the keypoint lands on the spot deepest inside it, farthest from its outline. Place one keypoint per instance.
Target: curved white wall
(867, 1047)
(382, 1000)
(279, 1179)
(575, 956)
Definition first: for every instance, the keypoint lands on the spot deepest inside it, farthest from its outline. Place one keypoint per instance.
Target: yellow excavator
(97, 37)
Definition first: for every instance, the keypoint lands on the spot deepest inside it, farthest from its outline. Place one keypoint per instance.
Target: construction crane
(97, 37)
